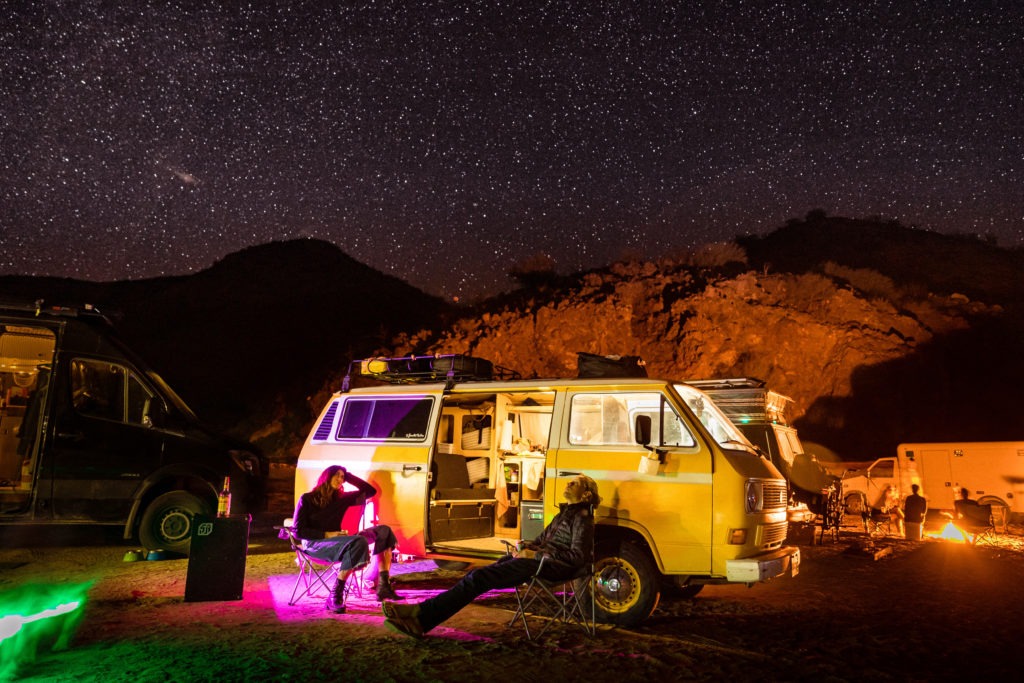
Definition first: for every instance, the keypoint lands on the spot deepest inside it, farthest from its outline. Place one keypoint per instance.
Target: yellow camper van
(465, 458)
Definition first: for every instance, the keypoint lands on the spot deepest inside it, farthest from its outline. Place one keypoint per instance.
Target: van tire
(627, 583)
(167, 521)
(855, 504)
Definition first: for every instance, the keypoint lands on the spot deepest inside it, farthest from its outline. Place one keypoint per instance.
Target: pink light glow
(361, 609)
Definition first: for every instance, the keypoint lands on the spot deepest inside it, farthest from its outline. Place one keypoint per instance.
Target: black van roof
(39, 309)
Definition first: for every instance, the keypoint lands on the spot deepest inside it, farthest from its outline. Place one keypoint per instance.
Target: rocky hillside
(807, 335)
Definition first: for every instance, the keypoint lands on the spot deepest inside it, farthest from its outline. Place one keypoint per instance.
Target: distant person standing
(915, 508)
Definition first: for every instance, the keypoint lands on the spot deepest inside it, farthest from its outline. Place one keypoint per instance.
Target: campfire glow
(951, 533)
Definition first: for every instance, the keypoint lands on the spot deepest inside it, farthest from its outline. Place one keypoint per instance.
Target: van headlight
(753, 496)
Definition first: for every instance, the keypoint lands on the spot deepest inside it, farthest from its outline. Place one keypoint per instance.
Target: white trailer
(993, 472)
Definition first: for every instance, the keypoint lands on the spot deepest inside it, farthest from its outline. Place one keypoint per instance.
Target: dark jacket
(915, 507)
(312, 522)
(568, 542)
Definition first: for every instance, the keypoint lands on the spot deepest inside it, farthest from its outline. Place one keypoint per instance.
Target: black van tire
(627, 584)
(167, 521)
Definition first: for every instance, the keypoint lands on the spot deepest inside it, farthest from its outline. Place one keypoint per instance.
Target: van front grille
(775, 496)
(772, 535)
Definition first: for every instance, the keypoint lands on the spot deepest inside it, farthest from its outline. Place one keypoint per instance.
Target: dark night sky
(444, 142)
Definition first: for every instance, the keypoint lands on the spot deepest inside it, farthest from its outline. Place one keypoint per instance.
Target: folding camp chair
(316, 574)
(878, 522)
(974, 521)
(566, 601)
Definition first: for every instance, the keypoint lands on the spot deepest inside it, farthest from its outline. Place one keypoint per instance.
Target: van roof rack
(447, 367)
(745, 399)
(39, 308)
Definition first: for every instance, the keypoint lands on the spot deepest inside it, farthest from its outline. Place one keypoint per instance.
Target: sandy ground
(934, 610)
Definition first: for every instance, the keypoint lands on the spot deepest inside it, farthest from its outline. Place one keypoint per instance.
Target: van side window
(97, 388)
(884, 469)
(399, 419)
(609, 420)
(109, 391)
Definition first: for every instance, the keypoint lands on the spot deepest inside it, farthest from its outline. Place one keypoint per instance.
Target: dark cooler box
(533, 519)
(216, 561)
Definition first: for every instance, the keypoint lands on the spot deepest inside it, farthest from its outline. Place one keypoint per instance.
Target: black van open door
(104, 443)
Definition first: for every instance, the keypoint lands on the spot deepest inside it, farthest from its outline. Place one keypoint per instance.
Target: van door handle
(71, 436)
(412, 468)
(563, 473)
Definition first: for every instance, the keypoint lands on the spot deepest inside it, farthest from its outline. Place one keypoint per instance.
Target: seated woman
(318, 518)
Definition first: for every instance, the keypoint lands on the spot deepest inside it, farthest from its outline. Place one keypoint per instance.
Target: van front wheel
(167, 522)
(626, 583)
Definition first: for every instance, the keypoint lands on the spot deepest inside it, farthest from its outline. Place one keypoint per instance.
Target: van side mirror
(153, 414)
(642, 430)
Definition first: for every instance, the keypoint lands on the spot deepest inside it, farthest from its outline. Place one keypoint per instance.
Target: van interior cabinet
(524, 477)
(454, 521)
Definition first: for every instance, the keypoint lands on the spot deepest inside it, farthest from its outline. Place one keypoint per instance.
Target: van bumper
(763, 567)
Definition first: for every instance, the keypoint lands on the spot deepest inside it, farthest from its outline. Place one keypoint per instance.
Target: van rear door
(384, 439)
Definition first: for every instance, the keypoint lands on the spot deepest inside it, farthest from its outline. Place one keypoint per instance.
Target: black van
(89, 434)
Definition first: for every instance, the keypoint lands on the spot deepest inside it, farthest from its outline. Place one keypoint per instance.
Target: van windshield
(169, 393)
(714, 420)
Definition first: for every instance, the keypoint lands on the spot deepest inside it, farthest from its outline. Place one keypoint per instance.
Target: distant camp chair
(877, 522)
(974, 521)
(565, 601)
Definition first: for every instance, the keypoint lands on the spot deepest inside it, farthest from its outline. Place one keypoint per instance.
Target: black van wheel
(167, 522)
(627, 584)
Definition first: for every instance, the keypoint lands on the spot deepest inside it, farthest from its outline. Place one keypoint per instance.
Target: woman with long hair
(318, 518)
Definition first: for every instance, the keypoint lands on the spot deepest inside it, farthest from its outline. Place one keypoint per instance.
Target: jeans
(507, 572)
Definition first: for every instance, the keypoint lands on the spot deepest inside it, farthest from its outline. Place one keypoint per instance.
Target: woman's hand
(526, 554)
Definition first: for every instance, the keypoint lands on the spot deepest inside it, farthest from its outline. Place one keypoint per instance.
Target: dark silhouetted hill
(260, 327)
(912, 258)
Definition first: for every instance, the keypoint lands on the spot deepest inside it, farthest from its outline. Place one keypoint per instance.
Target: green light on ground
(12, 623)
(35, 616)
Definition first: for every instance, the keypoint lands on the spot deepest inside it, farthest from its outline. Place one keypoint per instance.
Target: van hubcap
(617, 585)
(175, 525)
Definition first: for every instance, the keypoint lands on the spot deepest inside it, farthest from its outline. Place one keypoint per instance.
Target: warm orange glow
(951, 533)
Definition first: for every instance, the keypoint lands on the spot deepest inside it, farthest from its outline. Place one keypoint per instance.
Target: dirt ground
(933, 610)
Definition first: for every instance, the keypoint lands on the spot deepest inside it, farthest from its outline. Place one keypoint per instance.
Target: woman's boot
(384, 589)
(336, 601)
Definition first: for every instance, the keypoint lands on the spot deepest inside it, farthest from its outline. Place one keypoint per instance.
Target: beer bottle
(224, 499)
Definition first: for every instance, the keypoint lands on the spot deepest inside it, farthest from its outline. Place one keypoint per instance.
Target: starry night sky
(445, 142)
